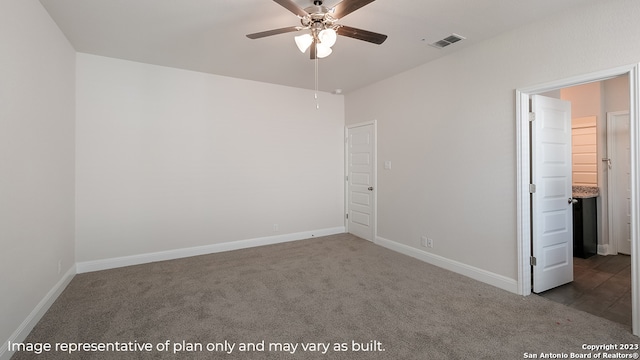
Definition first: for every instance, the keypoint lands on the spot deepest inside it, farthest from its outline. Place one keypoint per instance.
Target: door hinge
(346, 216)
(533, 261)
(532, 116)
(346, 178)
(532, 188)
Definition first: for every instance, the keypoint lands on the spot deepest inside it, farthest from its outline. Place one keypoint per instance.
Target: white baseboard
(484, 276)
(604, 249)
(112, 263)
(27, 325)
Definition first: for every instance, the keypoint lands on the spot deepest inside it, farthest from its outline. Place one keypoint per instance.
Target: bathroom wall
(584, 151)
(585, 111)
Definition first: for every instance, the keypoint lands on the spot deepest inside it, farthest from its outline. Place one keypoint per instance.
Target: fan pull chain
(316, 76)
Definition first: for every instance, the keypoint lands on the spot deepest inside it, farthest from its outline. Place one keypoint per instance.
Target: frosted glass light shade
(303, 42)
(322, 50)
(328, 37)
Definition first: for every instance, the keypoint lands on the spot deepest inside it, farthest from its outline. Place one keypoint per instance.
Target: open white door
(552, 213)
(361, 180)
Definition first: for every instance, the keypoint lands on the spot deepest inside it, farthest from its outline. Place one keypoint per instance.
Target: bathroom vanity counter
(585, 192)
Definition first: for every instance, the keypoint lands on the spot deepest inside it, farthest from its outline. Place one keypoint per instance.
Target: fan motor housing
(317, 11)
(318, 14)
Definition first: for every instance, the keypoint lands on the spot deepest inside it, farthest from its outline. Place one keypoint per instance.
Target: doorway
(524, 202)
(360, 180)
(601, 283)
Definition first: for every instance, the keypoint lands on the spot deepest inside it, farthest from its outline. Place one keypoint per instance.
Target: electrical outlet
(430, 243)
(275, 227)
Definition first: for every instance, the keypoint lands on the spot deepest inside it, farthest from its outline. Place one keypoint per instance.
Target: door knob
(370, 188)
(572, 201)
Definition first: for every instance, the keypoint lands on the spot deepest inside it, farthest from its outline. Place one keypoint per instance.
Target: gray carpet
(332, 290)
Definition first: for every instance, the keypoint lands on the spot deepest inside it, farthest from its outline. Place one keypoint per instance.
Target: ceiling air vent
(451, 39)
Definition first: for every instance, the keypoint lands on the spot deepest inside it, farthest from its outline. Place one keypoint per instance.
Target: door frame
(552, 176)
(523, 200)
(374, 208)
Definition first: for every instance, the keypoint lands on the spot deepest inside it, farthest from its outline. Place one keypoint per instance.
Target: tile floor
(601, 286)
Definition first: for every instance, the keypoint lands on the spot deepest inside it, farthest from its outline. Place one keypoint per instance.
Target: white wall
(449, 128)
(170, 159)
(37, 72)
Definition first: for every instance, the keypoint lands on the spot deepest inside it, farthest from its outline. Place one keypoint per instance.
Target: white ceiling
(209, 35)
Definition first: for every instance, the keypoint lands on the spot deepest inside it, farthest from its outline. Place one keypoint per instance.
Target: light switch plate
(387, 165)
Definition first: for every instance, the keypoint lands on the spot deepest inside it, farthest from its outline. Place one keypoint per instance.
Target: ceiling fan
(323, 26)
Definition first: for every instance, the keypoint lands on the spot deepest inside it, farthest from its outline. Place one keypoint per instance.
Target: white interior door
(552, 212)
(619, 180)
(361, 181)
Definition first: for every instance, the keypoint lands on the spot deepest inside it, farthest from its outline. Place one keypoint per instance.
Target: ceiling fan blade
(346, 7)
(313, 51)
(361, 34)
(293, 7)
(262, 34)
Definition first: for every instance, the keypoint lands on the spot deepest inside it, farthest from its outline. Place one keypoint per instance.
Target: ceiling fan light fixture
(321, 22)
(322, 51)
(303, 42)
(328, 37)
